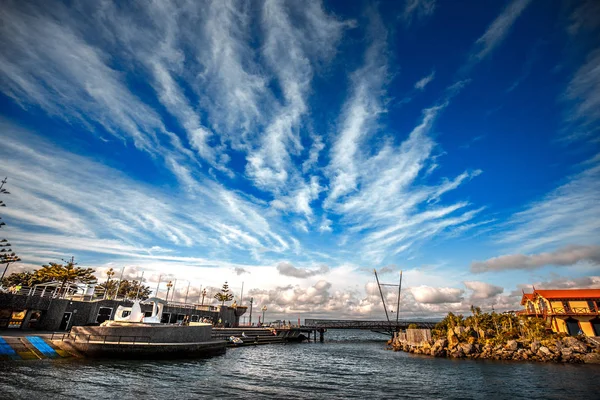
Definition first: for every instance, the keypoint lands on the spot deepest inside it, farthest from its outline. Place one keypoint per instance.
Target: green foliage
(224, 294)
(68, 273)
(493, 327)
(23, 279)
(413, 326)
(127, 289)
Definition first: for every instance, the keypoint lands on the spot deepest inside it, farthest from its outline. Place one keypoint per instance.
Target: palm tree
(224, 294)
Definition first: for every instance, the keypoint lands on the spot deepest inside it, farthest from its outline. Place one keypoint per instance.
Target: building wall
(86, 312)
(556, 309)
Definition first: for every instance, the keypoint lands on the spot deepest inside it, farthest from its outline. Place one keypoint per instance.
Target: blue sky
(293, 147)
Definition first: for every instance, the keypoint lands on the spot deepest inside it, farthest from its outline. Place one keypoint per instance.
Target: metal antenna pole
(173, 294)
(399, 293)
(119, 285)
(139, 286)
(382, 299)
(187, 292)
(158, 285)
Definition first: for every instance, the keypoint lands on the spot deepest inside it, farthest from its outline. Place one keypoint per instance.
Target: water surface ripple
(350, 365)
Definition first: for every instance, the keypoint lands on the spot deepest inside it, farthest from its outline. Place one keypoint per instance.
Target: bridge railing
(363, 324)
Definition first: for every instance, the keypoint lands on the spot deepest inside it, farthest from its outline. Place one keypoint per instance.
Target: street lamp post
(169, 286)
(264, 308)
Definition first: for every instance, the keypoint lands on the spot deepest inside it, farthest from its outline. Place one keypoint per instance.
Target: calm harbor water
(350, 365)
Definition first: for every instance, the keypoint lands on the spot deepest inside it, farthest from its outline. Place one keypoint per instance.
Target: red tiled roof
(526, 296)
(568, 293)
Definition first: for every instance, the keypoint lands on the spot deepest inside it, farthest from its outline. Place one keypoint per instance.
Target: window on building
(542, 306)
(164, 319)
(530, 307)
(595, 322)
(573, 327)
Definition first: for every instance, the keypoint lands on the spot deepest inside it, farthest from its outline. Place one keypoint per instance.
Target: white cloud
(417, 9)
(566, 215)
(287, 269)
(565, 256)
(583, 94)
(421, 83)
(483, 290)
(431, 295)
(498, 30)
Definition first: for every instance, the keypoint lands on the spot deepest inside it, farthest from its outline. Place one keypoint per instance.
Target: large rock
(566, 352)
(535, 346)
(467, 348)
(545, 351)
(512, 345)
(591, 358)
(574, 344)
(452, 339)
(460, 330)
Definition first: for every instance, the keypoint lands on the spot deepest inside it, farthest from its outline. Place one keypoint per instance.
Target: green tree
(23, 279)
(224, 294)
(68, 273)
(127, 289)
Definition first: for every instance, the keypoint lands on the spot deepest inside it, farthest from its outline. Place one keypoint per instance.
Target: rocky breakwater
(461, 342)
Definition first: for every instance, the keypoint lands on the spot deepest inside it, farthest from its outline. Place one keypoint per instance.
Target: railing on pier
(101, 338)
(367, 325)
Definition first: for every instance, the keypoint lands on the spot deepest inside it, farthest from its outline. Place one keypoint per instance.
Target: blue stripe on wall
(42, 346)
(6, 350)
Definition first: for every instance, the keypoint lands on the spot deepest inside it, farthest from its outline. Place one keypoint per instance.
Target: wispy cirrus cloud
(566, 215)
(498, 30)
(421, 83)
(59, 192)
(583, 96)
(416, 10)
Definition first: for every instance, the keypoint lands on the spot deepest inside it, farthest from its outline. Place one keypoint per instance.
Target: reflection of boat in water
(133, 335)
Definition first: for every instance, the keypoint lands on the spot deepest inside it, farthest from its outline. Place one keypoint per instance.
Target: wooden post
(321, 335)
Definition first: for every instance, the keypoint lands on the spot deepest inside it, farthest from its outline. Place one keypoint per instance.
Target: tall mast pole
(382, 299)
(399, 293)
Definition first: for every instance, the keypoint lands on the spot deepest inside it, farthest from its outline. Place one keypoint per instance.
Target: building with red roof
(572, 311)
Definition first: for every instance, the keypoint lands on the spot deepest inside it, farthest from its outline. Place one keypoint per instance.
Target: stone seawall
(560, 349)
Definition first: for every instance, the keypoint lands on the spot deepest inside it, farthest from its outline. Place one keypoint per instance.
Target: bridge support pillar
(321, 335)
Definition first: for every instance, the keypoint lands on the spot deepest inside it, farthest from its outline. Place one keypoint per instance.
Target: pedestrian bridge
(375, 326)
